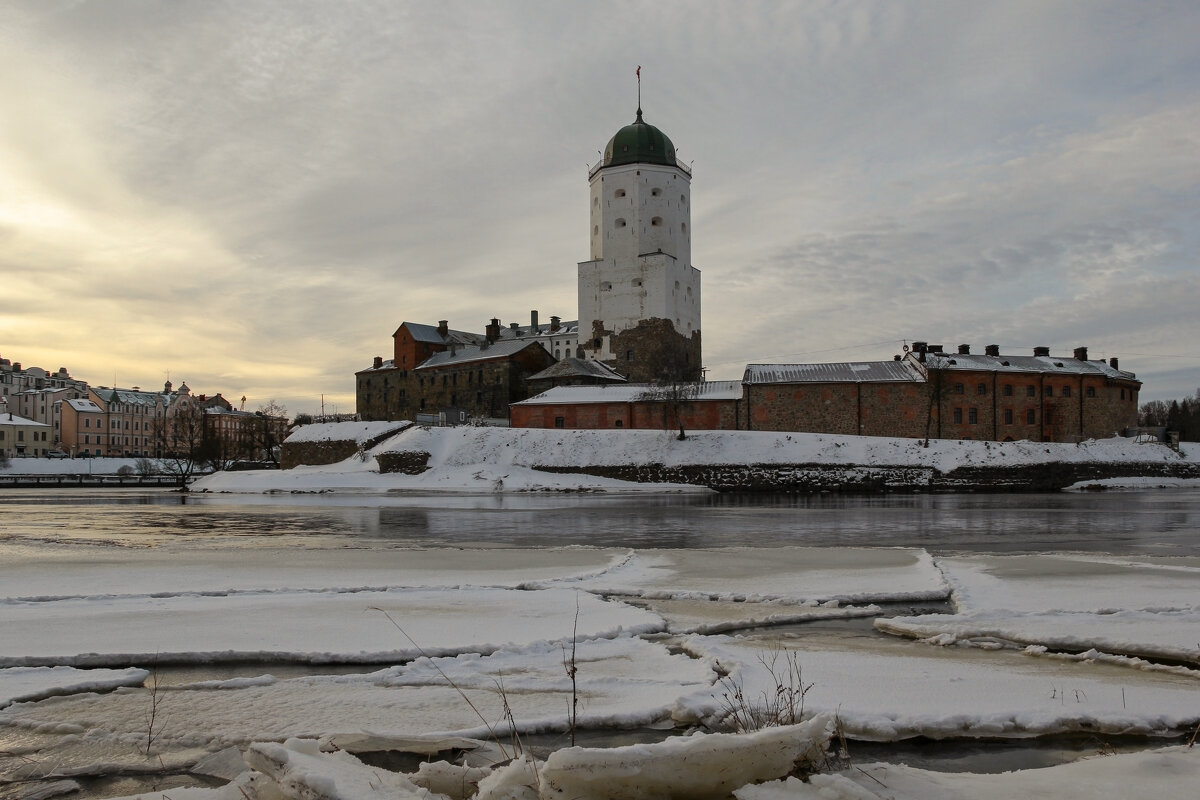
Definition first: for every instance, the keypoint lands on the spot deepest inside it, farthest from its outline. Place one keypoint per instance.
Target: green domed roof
(639, 143)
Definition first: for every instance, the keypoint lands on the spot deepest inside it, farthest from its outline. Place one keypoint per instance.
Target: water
(1151, 523)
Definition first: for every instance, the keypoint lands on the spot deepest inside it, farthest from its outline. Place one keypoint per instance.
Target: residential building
(23, 438)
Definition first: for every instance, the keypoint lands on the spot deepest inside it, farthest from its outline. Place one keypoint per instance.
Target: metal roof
(838, 372)
(468, 353)
(1035, 364)
(629, 393)
(579, 367)
(430, 334)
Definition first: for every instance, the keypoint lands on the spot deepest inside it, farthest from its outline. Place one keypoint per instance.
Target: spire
(639, 81)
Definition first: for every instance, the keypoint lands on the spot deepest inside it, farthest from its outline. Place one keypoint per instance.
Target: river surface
(1157, 523)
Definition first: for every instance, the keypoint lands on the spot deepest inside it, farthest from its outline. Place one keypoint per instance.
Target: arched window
(655, 192)
(656, 222)
(619, 193)
(620, 223)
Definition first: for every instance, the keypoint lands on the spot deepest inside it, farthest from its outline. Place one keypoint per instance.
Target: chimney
(964, 349)
(1081, 354)
(1112, 362)
(443, 328)
(936, 348)
(1041, 352)
(992, 350)
(514, 326)
(378, 362)
(555, 324)
(895, 358)
(533, 321)
(493, 330)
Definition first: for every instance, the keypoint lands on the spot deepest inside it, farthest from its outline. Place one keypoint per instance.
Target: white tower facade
(639, 295)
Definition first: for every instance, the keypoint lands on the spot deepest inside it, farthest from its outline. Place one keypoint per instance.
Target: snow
(471, 459)
(1171, 773)
(358, 432)
(34, 683)
(1136, 607)
(309, 626)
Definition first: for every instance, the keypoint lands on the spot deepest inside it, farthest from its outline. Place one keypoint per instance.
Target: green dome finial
(639, 143)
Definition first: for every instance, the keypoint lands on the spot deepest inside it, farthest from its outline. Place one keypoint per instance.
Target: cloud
(257, 194)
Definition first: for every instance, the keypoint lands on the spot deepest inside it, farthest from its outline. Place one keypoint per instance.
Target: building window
(1008, 416)
(620, 223)
(656, 222)
(1031, 391)
(1066, 391)
(1091, 391)
(1049, 391)
(958, 388)
(619, 423)
(1122, 394)
(629, 355)
(973, 416)
(87, 422)
(619, 193)
(981, 388)
(560, 422)
(958, 415)
(1008, 390)
(1030, 417)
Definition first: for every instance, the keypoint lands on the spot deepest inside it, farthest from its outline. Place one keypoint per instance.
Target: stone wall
(406, 462)
(811, 478)
(329, 451)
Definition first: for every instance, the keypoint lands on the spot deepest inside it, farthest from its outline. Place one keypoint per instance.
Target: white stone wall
(641, 252)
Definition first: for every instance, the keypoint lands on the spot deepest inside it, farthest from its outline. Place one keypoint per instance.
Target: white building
(639, 295)
(21, 437)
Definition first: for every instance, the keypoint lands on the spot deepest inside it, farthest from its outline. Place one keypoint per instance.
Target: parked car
(56, 454)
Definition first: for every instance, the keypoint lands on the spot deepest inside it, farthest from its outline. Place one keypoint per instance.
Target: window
(620, 223)
(619, 423)
(1008, 416)
(656, 222)
(87, 422)
(655, 192)
(20, 436)
(619, 193)
(1091, 391)
(1008, 390)
(973, 416)
(1049, 391)
(1066, 391)
(560, 422)
(1122, 394)
(1030, 417)
(958, 388)
(958, 415)
(981, 388)
(629, 355)
(1031, 391)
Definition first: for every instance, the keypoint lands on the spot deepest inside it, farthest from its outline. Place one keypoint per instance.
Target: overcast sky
(251, 196)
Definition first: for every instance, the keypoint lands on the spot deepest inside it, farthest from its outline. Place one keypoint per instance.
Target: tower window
(637, 281)
(595, 230)
(655, 192)
(683, 227)
(656, 222)
(619, 193)
(606, 287)
(620, 223)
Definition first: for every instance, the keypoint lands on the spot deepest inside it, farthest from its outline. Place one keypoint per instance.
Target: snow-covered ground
(483, 642)
(503, 459)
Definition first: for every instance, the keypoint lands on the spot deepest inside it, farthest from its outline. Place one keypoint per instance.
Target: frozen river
(982, 632)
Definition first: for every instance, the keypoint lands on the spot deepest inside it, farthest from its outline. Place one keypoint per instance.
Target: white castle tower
(639, 295)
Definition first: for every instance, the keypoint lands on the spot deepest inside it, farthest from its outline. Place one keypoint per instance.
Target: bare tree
(269, 431)
(180, 436)
(673, 391)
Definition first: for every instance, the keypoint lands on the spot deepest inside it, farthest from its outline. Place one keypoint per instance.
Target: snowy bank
(505, 459)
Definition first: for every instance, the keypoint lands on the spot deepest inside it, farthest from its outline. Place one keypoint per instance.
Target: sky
(251, 195)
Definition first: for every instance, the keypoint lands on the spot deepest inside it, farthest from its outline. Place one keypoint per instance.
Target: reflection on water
(1154, 522)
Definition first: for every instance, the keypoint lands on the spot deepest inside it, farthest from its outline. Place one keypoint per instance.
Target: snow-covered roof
(85, 405)
(468, 353)
(629, 393)
(577, 368)
(431, 335)
(12, 419)
(543, 329)
(838, 372)
(1039, 364)
(127, 396)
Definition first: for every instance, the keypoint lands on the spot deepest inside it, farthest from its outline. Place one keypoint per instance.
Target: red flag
(639, 73)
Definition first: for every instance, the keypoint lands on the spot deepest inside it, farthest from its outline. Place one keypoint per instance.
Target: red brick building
(715, 405)
(927, 392)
